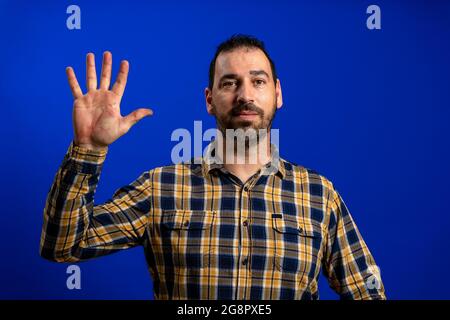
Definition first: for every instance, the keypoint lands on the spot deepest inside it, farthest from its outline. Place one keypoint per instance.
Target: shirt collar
(210, 162)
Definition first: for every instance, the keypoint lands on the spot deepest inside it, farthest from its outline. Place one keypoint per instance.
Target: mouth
(246, 115)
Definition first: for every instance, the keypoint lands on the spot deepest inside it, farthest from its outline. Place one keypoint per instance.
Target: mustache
(246, 107)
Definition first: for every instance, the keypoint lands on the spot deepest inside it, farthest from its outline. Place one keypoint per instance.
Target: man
(215, 229)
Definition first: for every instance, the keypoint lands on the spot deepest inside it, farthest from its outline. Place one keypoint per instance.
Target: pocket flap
(296, 225)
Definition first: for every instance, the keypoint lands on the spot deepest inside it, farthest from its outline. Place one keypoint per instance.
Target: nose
(245, 93)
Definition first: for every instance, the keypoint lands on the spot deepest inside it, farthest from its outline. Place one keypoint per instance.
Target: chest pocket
(186, 238)
(297, 243)
(298, 226)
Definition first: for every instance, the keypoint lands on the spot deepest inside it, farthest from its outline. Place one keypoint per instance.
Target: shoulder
(317, 182)
(179, 169)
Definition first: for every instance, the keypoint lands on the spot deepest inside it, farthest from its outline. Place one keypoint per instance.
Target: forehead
(241, 61)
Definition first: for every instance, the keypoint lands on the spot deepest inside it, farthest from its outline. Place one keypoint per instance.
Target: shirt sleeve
(348, 264)
(74, 229)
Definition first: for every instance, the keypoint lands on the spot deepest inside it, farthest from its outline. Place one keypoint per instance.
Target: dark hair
(239, 41)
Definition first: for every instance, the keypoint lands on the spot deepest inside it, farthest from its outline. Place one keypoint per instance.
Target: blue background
(369, 109)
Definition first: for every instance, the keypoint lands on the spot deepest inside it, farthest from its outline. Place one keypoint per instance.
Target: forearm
(356, 277)
(69, 205)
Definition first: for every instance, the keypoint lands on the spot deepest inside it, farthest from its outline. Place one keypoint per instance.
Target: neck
(245, 163)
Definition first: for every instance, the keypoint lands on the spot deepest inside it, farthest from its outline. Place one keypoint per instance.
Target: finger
(134, 117)
(91, 76)
(121, 81)
(105, 79)
(73, 83)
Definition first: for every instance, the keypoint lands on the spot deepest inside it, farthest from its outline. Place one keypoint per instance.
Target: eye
(228, 84)
(260, 82)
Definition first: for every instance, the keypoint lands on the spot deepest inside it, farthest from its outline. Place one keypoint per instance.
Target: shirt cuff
(84, 160)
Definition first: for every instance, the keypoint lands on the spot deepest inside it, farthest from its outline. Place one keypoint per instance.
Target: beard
(260, 125)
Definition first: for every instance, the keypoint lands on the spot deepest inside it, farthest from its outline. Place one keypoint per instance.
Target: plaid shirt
(207, 235)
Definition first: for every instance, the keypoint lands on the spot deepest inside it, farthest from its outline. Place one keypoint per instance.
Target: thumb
(134, 117)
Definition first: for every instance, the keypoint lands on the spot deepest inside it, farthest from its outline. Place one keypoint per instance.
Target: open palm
(97, 120)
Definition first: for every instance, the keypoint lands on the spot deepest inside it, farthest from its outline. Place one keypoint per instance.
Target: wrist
(85, 158)
(90, 146)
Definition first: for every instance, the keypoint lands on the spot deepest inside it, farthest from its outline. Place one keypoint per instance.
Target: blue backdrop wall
(369, 109)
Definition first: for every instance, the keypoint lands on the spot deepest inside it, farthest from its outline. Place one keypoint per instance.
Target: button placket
(244, 275)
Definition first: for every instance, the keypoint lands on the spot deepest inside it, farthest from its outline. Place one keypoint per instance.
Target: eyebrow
(259, 72)
(252, 72)
(228, 76)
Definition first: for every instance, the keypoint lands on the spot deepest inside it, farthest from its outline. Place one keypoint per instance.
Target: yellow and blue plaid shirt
(207, 235)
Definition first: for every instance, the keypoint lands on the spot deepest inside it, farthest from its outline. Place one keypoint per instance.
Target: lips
(247, 113)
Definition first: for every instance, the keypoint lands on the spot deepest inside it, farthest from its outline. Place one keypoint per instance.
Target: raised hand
(97, 121)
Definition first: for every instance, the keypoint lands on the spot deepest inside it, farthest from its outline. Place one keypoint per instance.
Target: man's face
(244, 93)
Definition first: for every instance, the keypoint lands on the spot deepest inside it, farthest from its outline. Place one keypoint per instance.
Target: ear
(208, 100)
(278, 94)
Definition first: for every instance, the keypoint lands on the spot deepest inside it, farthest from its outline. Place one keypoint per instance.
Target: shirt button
(186, 223)
(245, 188)
(245, 223)
(300, 230)
(244, 262)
